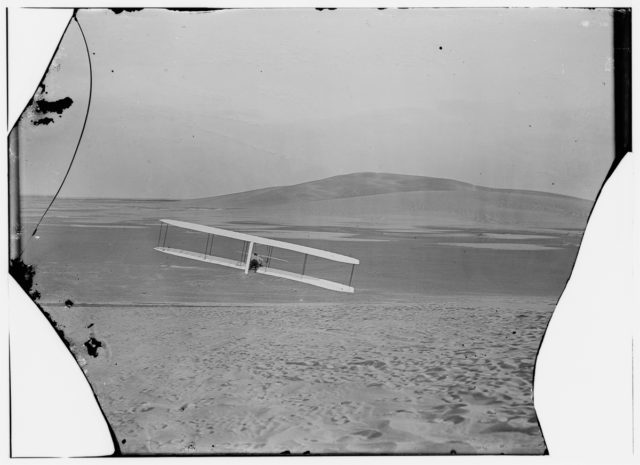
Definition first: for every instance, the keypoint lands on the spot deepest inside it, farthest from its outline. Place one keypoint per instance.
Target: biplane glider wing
(248, 245)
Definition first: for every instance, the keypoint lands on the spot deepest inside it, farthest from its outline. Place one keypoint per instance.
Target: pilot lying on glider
(255, 263)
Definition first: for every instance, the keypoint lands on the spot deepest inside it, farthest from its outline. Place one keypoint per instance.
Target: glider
(249, 241)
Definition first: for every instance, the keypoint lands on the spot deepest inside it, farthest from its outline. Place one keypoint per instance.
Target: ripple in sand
(505, 427)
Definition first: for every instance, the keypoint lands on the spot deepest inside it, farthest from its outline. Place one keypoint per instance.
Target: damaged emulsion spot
(196, 10)
(118, 11)
(92, 345)
(45, 120)
(128, 10)
(47, 108)
(53, 106)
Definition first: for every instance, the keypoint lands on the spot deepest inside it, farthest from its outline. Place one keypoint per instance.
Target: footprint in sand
(455, 419)
(369, 433)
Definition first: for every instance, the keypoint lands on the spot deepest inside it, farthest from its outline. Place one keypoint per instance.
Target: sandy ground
(434, 352)
(435, 377)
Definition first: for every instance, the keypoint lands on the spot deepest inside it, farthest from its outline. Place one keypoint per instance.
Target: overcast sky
(191, 105)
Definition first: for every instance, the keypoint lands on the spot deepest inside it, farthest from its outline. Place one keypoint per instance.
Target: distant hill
(336, 187)
(389, 198)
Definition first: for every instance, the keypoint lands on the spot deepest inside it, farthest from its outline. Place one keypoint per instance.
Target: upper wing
(264, 241)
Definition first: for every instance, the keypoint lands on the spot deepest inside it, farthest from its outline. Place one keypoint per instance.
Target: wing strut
(268, 260)
(166, 231)
(206, 247)
(246, 266)
(160, 235)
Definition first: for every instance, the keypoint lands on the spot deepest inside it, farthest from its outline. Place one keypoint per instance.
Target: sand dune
(384, 198)
(336, 187)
